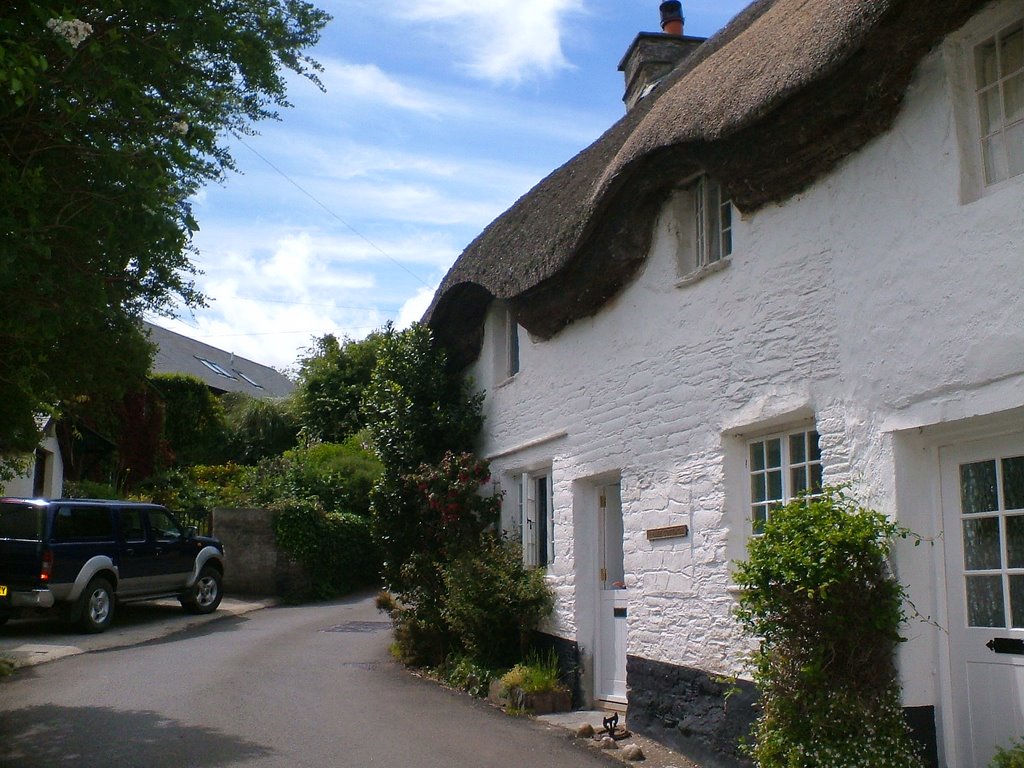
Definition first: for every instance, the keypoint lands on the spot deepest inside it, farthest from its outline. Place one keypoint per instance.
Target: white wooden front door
(983, 511)
(610, 658)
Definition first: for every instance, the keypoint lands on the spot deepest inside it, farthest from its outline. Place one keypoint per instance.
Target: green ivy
(818, 594)
(194, 423)
(334, 548)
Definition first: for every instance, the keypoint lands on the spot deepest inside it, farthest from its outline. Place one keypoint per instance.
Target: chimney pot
(672, 17)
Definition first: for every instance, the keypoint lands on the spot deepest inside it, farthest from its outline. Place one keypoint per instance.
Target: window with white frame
(999, 89)
(505, 335)
(703, 218)
(781, 467)
(511, 344)
(536, 517)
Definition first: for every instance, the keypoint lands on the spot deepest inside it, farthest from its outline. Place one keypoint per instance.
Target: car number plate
(3, 591)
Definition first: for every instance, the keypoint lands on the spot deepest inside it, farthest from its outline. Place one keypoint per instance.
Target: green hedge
(335, 548)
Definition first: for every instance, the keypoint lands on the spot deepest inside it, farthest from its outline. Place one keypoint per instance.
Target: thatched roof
(768, 105)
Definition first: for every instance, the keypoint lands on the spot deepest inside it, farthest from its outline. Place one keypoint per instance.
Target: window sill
(699, 274)
(506, 381)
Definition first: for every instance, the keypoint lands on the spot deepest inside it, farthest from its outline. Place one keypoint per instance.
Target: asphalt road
(283, 687)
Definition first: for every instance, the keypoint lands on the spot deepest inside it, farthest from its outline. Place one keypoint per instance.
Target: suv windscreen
(21, 521)
(82, 523)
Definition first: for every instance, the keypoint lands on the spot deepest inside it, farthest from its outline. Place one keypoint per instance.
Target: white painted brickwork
(873, 302)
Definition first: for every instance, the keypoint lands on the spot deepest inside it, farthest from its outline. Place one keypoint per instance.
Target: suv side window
(133, 527)
(82, 524)
(163, 526)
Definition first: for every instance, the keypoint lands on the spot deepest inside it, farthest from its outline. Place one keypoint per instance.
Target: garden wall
(253, 564)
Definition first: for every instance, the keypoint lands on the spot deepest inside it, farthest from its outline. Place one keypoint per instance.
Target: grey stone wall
(688, 710)
(253, 564)
(704, 717)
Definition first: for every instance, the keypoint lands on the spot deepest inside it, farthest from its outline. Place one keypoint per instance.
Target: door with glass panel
(983, 513)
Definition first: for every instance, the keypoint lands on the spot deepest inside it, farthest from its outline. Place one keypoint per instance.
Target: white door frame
(610, 631)
(962, 642)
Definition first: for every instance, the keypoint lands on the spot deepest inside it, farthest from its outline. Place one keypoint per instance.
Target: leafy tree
(258, 428)
(194, 419)
(332, 380)
(112, 116)
(417, 411)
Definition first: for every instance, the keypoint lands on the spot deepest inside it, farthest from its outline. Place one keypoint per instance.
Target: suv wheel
(205, 594)
(97, 606)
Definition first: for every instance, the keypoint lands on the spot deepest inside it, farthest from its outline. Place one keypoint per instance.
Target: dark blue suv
(84, 556)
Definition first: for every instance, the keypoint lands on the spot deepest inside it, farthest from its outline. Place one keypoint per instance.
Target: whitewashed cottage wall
(881, 301)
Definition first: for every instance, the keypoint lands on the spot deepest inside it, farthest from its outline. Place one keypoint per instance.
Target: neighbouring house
(798, 258)
(44, 470)
(221, 371)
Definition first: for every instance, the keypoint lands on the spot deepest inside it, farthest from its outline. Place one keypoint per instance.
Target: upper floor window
(512, 344)
(703, 217)
(782, 467)
(504, 335)
(999, 83)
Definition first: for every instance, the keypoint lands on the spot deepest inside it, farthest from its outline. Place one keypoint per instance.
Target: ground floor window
(536, 517)
(781, 467)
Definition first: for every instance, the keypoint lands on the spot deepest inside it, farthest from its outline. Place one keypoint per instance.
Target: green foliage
(416, 409)
(493, 602)
(7, 666)
(113, 116)
(539, 673)
(258, 428)
(332, 380)
(181, 490)
(1011, 757)
(194, 419)
(90, 489)
(466, 674)
(818, 594)
(446, 520)
(462, 590)
(340, 477)
(335, 548)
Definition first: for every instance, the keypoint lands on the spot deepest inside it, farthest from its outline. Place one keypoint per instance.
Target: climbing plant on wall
(818, 594)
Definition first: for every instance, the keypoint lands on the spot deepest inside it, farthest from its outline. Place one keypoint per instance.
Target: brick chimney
(652, 55)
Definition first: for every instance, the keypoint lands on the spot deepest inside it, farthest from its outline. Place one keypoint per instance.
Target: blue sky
(438, 115)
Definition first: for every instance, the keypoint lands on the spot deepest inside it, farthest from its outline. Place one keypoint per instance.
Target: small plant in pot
(534, 686)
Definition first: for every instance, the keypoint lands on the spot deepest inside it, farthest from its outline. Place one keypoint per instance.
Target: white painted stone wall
(53, 484)
(871, 305)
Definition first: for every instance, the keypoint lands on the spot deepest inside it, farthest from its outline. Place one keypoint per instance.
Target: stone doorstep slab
(28, 654)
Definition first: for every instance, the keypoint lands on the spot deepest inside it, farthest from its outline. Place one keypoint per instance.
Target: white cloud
(414, 307)
(502, 40)
(368, 82)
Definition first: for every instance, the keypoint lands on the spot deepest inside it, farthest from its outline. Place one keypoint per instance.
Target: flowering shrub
(454, 513)
(74, 31)
(818, 594)
(459, 588)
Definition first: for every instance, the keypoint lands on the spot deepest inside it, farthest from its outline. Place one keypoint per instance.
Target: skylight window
(215, 367)
(248, 379)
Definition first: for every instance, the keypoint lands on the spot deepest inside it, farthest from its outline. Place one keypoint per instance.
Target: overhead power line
(331, 213)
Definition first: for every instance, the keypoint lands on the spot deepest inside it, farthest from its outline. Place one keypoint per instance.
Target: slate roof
(767, 106)
(220, 370)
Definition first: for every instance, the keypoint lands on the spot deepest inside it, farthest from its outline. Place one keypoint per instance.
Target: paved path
(285, 687)
(44, 638)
